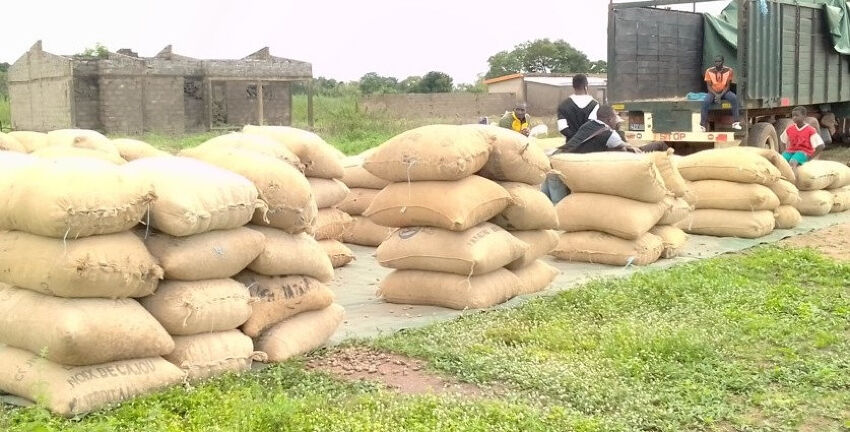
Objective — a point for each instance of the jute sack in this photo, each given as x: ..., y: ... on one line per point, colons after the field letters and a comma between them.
x: 726, y: 195
x: 677, y: 210
x: 427, y: 153
x: 206, y: 355
x: 622, y: 217
x: 842, y: 175
x: 535, y: 277
x: 339, y: 253
x: 786, y: 192
x: 276, y: 298
x: 319, y: 158
x: 111, y: 266
x: 729, y: 223
x: 622, y: 174
x: 453, y: 205
x: 291, y: 206
x: 730, y: 165
x: 11, y: 162
x: 602, y: 248
x: 478, y: 250
x: 358, y: 200
x: 131, y: 149
x: 31, y: 141
x: 300, y: 334
x: 291, y: 254
x: 819, y: 174
x: 672, y: 238
x: 195, y: 197
x: 187, y: 308
x: 210, y: 255
x: 355, y: 176
x: 540, y: 243
x: 59, y: 153
x: 10, y: 143
x: 364, y: 232
x: 513, y: 157
x: 787, y: 217
x: 70, y: 391
x: 79, y: 331
x: 327, y: 192
x: 775, y: 158
x: 419, y: 287
x: 331, y: 223
x: 73, y: 198
x: 81, y: 138
x: 530, y: 209
x: 841, y: 199
x: 254, y: 143
x: 815, y: 203
x: 673, y: 180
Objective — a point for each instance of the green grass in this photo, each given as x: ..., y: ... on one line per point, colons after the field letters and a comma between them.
x: 5, y: 115
x: 840, y: 154
x: 746, y: 342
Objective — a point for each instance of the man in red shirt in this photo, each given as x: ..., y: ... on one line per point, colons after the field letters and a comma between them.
x: 802, y: 141
x: 718, y: 79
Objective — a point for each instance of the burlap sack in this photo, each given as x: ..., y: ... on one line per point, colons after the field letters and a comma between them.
x: 817, y: 175
x: 453, y: 205
x: 10, y: 143
x: 339, y: 253
x: 535, y: 277
x: 72, y: 198
x: 60, y: 153
x: 449, y: 290
x: 195, y: 197
x: 81, y: 138
x: 254, y: 143
x: 31, y: 141
x: 187, y: 308
x: 775, y: 159
x: 815, y: 202
x: 331, y: 223
x: 356, y: 176
x: 319, y: 158
x: 841, y: 199
x: 530, y: 209
x: 726, y: 195
x: 291, y: 254
x: 842, y: 176
x: 358, y: 201
x: 206, y: 355
x: 79, y: 331
x: 131, y: 149
x: 478, y: 250
x: 786, y: 192
x: 787, y: 217
x: 540, y: 244
x: 513, y: 157
x: 672, y: 238
x: 730, y: 165
x: 291, y: 206
x: 673, y: 180
x: 327, y: 192
x: 729, y: 223
x: 362, y: 231
x: 602, y: 248
x: 677, y: 209
x: 621, y: 174
x: 111, y: 266
x: 300, y: 334
x: 276, y: 298
x: 211, y: 255
x: 435, y: 152
x: 11, y: 162
x: 70, y: 391
x: 622, y: 217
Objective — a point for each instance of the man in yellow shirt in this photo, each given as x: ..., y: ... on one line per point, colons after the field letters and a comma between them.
x: 517, y: 120
x: 718, y: 79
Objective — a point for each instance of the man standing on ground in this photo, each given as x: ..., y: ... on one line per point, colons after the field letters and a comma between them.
x: 577, y: 109
x: 517, y: 120
x: 802, y: 141
x: 718, y: 79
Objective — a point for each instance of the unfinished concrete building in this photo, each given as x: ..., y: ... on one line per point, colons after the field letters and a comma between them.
x: 122, y: 93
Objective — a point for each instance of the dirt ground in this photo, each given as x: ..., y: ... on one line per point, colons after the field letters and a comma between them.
x: 833, y: 241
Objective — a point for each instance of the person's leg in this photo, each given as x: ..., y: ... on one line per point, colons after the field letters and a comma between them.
x: 706, y: 105
x: 733, y: 100
x: 555, y: 188
x: 657, y: 146
x: 787, y: 156
x: 797, y: 159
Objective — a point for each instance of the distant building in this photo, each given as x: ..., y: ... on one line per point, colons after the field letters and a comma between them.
x: 543, y: 92
x: 123, y: 93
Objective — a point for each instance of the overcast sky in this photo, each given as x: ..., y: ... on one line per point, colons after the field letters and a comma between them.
x: 343, y: 39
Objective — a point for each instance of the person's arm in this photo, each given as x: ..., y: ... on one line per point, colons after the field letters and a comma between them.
x: 784, y: 137
x: 615, y: 142
x: 817, y: 144
x: 562, y: 120
x: 729, y: 83
x: 592, y: 115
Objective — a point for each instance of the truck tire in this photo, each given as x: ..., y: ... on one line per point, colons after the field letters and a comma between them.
x: 780, y: 125
x: 762, y: 135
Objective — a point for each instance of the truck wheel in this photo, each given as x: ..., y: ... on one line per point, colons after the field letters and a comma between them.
x: 780, y: 126
x: 762, y: 135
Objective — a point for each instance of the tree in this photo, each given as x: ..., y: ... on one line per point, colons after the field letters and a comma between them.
x: 435, y: 82
x: 538, y: 56
x: 410, y: 84
x: 374, y: 83
x: 98, y: 51
x: 598, y: 67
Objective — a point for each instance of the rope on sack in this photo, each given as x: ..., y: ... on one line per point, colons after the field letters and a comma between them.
x: 65, y: 239
x: 629, y: 262
x: 147, y: 221
x: 409, y: 192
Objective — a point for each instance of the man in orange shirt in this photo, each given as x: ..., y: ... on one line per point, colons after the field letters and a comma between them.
x: 718, y: 79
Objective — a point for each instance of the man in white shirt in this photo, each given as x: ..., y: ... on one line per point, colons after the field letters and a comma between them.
x: 577, y: 109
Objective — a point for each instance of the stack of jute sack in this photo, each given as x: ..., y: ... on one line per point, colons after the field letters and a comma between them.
x: 196, y: 230
x: 363, y: 186
x: 64, y: 143
x: 73, y: 334
x: 619, y: 211
x: 445, y: 252
x: 824, y: 187
x: 322, y: 165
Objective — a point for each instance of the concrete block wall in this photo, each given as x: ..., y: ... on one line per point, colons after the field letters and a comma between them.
x: 194, y: 104
x: 40, y: 87
x: 276, y: 109
x: 87, y: 103
x: 241, y: 107
x: 162, y: 105
x: 455, y: 107
x: 121, y: 101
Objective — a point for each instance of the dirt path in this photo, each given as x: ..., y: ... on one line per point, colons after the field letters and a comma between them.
x: 833, y: 241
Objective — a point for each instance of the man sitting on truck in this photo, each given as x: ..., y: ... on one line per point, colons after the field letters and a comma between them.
x: 802, y: 141
x: 577, y: 109
x: 517, y: 120
x: 718, y: 79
